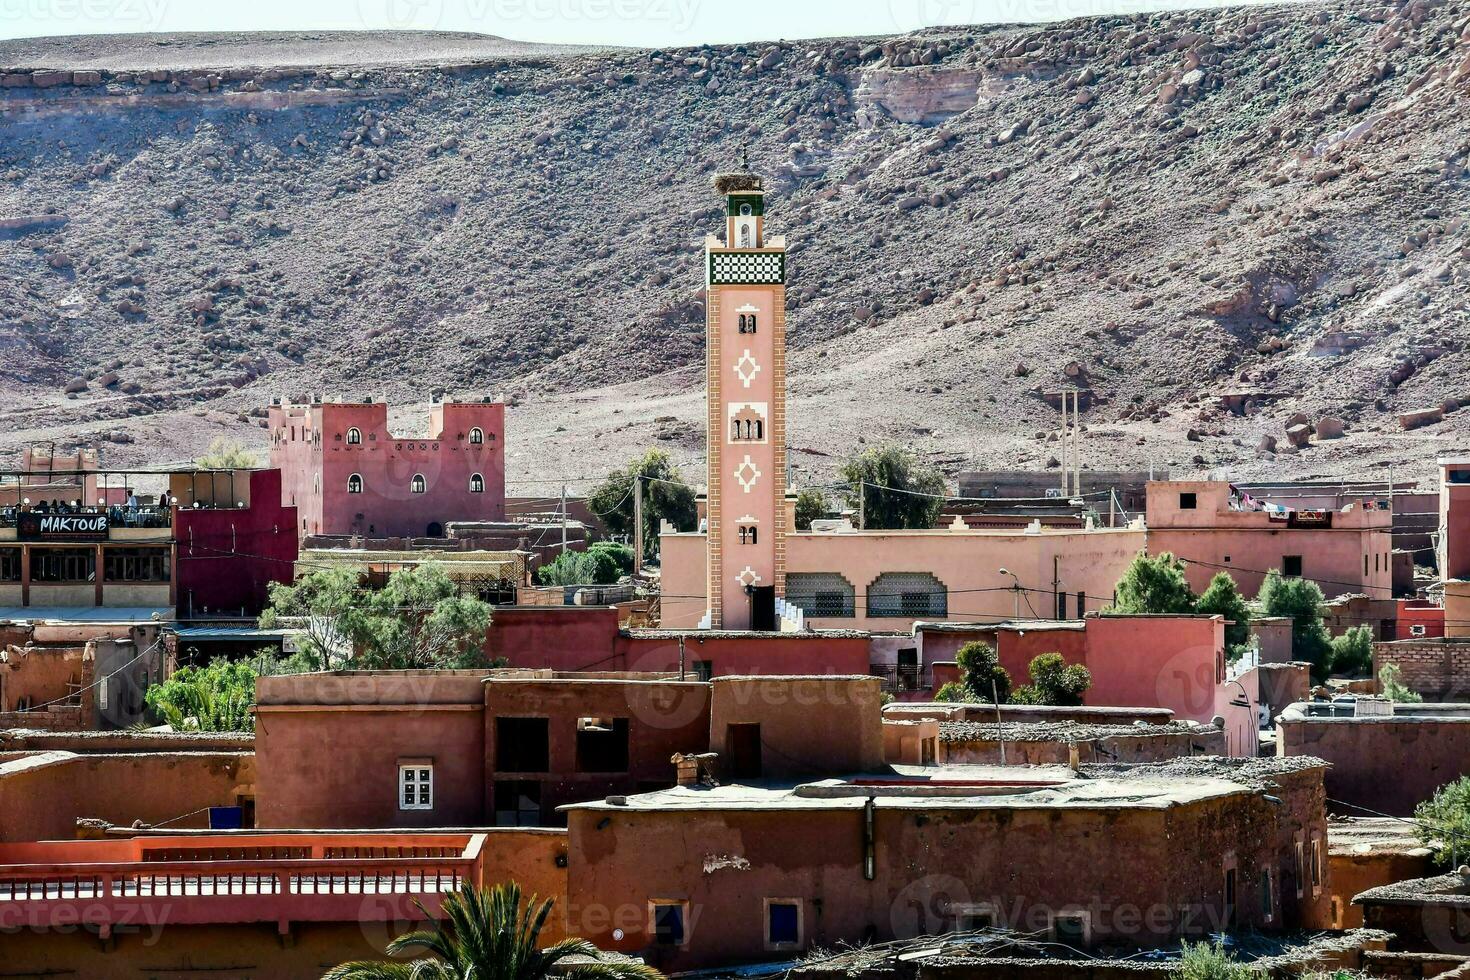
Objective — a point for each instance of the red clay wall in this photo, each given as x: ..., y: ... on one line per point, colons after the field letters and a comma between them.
x: 555, y: 637
x: 1173, y: 662
x: 808, y: 725
x: 44, y: 802
x: 662, y: 719
x: 1386, y: 765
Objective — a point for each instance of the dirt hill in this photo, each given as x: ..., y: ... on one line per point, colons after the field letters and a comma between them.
x: 1160, y: 209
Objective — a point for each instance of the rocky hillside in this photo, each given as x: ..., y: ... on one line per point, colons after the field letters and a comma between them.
x: 1263, y: 202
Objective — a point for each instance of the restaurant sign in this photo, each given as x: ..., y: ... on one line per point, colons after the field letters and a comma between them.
x: 33, y: 526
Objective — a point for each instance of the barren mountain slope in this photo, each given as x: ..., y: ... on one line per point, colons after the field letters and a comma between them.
x: 1177, y: 205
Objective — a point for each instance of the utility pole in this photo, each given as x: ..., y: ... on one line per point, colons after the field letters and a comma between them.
x: 1077, y: 440
x: 1064, y: 446
x: 637, y: 524
x: 862, y: 505
x: 563, y: 518
x: 1056, y: 586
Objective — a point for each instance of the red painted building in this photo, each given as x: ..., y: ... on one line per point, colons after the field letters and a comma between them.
x: 582, y: 638
x: 347, y: 473
x: 227, y: 558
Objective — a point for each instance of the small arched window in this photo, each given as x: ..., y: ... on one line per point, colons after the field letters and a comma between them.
x: 418, y: 484
x: 477, y: 484
x: 735, y: 429
x: 745, y: 236
x: 477, y: 436
x: 747, y: 535
x: 758, y: 434
x: 354, y: 484
x: 354, y: 436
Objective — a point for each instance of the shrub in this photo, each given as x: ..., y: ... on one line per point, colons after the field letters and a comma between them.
x: 1054, y: 682
x: 954, y: 691
x: 215, y: 698
x: 1443, y: 821
x: 1352, y: 652
x: 1222, y: 598
x: 1391, y: 686
x: 981, y: 674
x: 1201, y: 961
x: 892, y: 489
x: 620, y: 553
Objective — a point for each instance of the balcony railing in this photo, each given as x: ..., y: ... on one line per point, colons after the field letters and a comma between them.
x: 250, y: 878
x: 897, y: 679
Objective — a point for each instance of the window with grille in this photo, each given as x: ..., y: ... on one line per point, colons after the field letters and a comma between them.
x: 416, y: 787
x: 826, y: 594
x: 477, y: 436
x: 354, y: 484
x: 477, y: 484
x: 908, y: 595
x: 10, y: 565
x: 354, y: 437
x: 418, y: 484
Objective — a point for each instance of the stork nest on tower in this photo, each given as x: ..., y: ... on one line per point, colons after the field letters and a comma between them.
x: 733, y: 183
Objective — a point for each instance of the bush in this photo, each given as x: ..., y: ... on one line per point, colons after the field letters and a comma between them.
x: 1054, y: 682
x: 892, y: 489
x: 1443, y: 822
x: 1391, y: 686
x: 1154, y: 585
x: 1201, y: 961
x: 584, y: 568
x: 981, y: 674
x: 620, y: 553
x: 954, y: 691
x: 216, y: 698
x: 1352, y: 652
x: 1301, y: 600
x: 811, y: 505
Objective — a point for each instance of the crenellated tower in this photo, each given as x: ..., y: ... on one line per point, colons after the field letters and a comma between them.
x: 745, y: 384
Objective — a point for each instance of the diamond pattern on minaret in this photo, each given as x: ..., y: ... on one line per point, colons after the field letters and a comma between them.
x: 747, y: 473
x: 746, y: 369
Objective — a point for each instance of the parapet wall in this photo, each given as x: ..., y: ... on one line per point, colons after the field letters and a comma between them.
x: 1437, y: 669
x: 1388, y: 765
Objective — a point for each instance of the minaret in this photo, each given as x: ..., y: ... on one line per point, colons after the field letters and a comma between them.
x: 745, y: 384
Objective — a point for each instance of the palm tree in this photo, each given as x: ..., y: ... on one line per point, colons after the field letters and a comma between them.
x: 489, y: 936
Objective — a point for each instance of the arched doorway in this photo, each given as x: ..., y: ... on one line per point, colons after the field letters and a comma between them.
x: 435, y: 530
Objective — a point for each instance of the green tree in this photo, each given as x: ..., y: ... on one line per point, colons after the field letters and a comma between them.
x: 954, y: 691
x: 892, y: 489
x: 417, y: 620
x: 214, y: 698
x: 666, y: 497
x: 1391, y: 685
x: 1202, y: 961
x: 981, y: 674
x: 811, y: 505
x: 1301, y: 600
x: 226, y: 454
x: 1154, y: 584
x: 1352, y: 652
x: 586, y: 568
x: 1443, y: 821
x: 490, y: 935
x: 1222, y: 598
x: 621, y: 554
x: 1053, y: 681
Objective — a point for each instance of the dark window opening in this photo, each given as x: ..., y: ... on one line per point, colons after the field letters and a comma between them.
x: 63, y: 565
x: 1081, y: 604
x: 743, y: 746
x: 522, y: 745
x: 135, y: 565
x: 1291, y: 566
x: 1229, y: 897
x: 10, y: 565
x: 668, y: 925
x: 602, y: 745
x: 704, y: 670
x: 1069, y: 930
x: 1188, y: 501
x: 974, y: 920
x: 783, y: 924
x: 517, y: 803
x: 1061, y: 605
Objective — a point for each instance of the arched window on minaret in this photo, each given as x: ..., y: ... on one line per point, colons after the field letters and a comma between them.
x: 758, y: 433
x: 735, y: 430
x: 745, y: 236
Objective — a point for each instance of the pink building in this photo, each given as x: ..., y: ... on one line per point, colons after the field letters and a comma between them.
x: 346, y: 473
x: 1345, y: 547
x: 1454, y: 517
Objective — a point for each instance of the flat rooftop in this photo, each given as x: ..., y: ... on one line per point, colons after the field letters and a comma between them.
x: 1114, y: 787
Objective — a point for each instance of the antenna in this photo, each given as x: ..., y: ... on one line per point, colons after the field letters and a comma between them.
x: 744, y: 156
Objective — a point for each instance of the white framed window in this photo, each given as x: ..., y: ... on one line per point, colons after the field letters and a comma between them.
x: 354, y: 484
x: 416, y: 786
x: 477, y: 483
x: 418, y: 484
x: 354, y: 436
x: 477, y: 436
